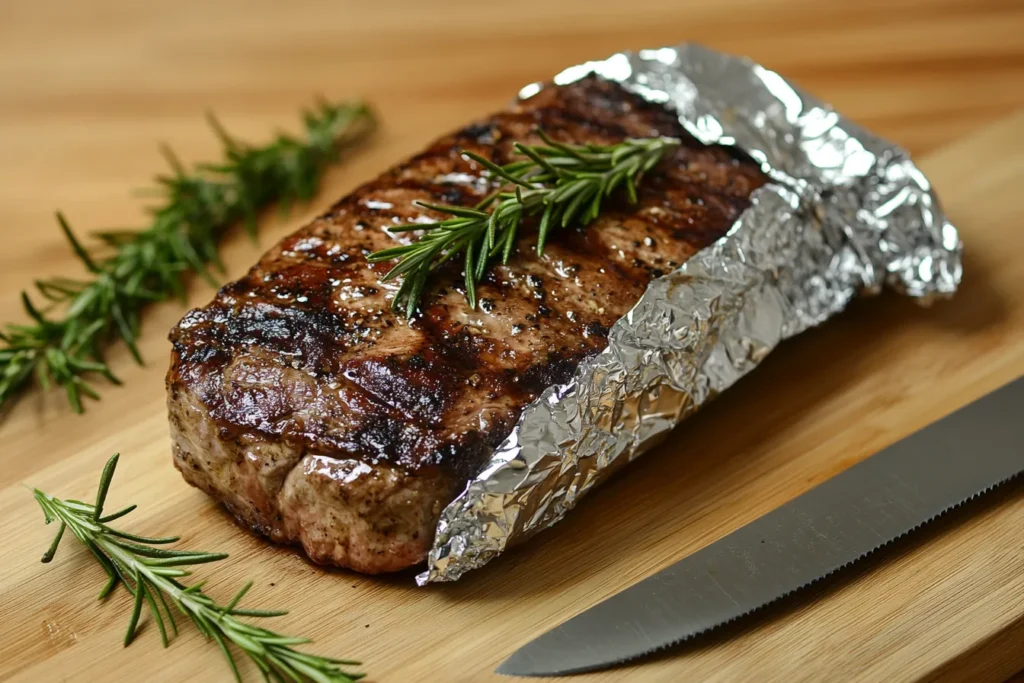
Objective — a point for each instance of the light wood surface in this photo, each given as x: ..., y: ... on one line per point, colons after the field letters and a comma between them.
x: 86, y: 91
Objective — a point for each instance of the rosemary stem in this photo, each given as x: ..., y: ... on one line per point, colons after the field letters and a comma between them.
x: 63, y: 343
x: 151, y: 573
x: 565, y: 184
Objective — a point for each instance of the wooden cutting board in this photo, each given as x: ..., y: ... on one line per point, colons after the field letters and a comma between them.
x: 87, y: 88
x: 947, y: 605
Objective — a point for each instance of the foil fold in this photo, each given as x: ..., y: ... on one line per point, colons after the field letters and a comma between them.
x: 845, y: 213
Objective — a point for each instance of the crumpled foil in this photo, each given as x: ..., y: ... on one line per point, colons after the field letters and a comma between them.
x: 846, y: 213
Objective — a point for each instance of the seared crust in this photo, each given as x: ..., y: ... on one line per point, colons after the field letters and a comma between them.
x: 319, y: 417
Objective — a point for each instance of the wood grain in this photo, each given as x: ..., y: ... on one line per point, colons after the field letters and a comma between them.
x: 87, y: 89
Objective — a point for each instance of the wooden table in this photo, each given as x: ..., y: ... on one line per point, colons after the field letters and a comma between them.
x: 87, y: 89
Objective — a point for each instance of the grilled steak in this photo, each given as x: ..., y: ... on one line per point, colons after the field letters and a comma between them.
x: 320, y: 417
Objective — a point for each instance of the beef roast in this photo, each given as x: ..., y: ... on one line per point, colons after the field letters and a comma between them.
x: 318, y: 416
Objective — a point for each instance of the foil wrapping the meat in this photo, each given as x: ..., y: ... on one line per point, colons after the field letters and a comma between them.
x: 846, y: 213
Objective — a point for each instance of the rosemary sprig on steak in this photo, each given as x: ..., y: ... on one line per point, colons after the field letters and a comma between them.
x: 139, y: 266
x: 560, y: 183
x: 152, y: 574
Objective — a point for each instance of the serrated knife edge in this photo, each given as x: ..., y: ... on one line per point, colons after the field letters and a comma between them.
x: 525, y: 661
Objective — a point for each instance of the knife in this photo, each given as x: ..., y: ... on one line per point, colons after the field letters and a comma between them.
x: 840, y: 521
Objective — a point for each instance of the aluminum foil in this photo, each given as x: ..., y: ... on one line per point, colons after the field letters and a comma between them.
x: 846, y: 213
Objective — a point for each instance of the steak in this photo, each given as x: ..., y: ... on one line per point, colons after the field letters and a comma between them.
x: 320, y: 417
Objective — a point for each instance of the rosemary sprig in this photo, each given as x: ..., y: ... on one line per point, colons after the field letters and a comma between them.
x: 152, y: 575
x: 562, y: 183
x: 140, y: 266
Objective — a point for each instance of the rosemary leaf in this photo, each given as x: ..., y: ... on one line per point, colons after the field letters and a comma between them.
x: 564, y: 184
x: 145, y: 574
x: 193, y: 210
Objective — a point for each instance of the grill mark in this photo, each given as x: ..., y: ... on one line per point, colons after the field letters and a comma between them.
x: 468, y: 195
x: 558, y: 369
x: 480, y: 133
x: 558, y: 123
x: 389, y: 380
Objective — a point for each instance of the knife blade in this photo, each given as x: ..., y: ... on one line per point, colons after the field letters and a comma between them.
x: 840, y: 521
